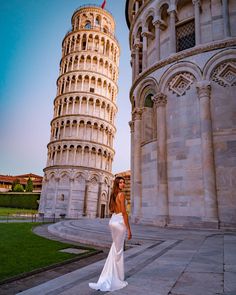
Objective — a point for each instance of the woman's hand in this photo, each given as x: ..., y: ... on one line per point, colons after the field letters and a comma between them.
x: 129, y: 235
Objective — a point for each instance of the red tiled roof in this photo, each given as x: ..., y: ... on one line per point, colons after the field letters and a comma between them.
x: 23, y: 178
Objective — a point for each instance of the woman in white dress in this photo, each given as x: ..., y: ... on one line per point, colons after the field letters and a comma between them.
x: 112, y: 275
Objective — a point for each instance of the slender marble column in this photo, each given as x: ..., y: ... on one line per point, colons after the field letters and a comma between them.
x: 160, y: 102
x: 85, y: 198
x: 137, y: 178
x: 70, y: 197
x: 196, y: 4
x: 225, y: 12
x: 99, y: 199
x: 136, y: 7
x: 157, y: 25
x: 209, y: 180
x: 136, y: 48
x: 133, y: 64
x: 54, y: 205
x: 108, y: 200
x: 131, y: 124
x: 144, y: 57
x: 172, y: 14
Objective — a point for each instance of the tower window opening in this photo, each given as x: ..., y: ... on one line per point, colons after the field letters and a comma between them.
x: 91, y: 90
x: 185, y: 36
x: 87, y: 25
x: 97, y: 22
x: 84, y: 45
x: 59, y: 110
x: 148, y: 103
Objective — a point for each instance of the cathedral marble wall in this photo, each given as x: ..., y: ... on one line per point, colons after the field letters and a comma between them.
x: 183, y: 160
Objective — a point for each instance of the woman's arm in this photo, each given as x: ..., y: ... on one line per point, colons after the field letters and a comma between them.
x: 121, y: 198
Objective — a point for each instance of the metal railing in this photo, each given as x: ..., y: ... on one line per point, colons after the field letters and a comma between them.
x: 30, y: 217
x: 89, y: 5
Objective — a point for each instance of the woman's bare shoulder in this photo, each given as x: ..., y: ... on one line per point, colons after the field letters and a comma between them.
x: 121, y: 195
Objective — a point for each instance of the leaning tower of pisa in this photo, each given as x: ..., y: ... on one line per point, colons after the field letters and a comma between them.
x: 78, y: 174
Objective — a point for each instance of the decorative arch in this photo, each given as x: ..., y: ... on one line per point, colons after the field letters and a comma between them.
x: 217, y: 59
x: 180, y: 68
x: 148, y: 86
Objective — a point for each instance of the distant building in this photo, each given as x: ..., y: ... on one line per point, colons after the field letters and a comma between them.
x: 7, y: 180
x: 183, y: 127
x: 78, y: 175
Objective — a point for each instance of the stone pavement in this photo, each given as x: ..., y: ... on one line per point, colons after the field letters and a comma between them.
x: 160, y: 262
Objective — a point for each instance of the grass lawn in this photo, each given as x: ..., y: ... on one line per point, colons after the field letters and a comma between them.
x: 23, y: 251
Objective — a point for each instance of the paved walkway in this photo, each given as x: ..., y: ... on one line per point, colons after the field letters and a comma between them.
x: 160, y: 261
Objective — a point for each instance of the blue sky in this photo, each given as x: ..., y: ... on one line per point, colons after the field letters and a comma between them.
x: 31, y: 33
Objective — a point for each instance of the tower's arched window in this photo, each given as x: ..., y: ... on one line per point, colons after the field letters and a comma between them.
x: 185, y: 35
x: 87, y: 25
x: 97, y: 21
x: 148, y: 103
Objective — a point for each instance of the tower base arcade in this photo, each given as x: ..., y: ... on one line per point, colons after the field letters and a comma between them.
x: 75, y: 192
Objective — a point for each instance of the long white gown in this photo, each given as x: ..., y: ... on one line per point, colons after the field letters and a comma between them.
x: 112, y: 275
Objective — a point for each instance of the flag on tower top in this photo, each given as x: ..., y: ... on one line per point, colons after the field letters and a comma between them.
x: 103, y: 4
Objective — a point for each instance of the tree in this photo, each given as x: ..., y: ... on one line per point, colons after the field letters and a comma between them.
x: 18, y: 188
x: 14, y: 183
x: 29, y: 186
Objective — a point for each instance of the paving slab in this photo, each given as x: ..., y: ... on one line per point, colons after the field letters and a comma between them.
x: 160, y: 261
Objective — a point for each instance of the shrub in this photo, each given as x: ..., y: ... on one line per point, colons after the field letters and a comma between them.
x: 18, y: 188
x: 29, y: 186
x: 20, y: 200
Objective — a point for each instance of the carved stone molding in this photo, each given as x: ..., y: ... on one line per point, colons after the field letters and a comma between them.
x: 225, y: 74
x: 181, y: 83
x: 131, y: 125
x: 137, y: 114
x: 203, y: 89
x: 196, y: 2
x: 160, y: 100
x: 148, y: 35
x: 159, y: 23
x: 181, y: 55
x: 137, y: 46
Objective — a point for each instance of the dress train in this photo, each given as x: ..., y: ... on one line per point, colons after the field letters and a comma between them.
x: 112, y: 275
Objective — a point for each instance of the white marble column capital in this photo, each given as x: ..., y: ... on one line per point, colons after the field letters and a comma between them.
x: 172, y: 11
x: 203, y: 89
x: 160, y: 100
x: 137, y: 114
x: 136, y: 47
x: 159, y: 23
x: 196, y: 2
x: 131, y: 125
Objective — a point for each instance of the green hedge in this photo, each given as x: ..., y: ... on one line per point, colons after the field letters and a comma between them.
x: 20, y: 200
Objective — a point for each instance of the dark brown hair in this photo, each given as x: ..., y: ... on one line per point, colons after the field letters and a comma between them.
x: 114, y: 193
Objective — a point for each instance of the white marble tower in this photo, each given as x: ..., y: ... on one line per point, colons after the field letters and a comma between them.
x: 78, y: 174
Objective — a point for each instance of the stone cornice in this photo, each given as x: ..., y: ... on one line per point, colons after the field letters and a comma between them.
x: 89, y: 72
x: 91, y: 53
x: 83, y: 117
x: 82, y: 31
x: 82, y: 142
x: 181, y: 55
x: 92, y: 8
x: 86, y: 94
x: 71, y: 167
